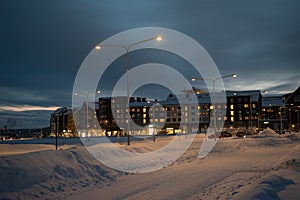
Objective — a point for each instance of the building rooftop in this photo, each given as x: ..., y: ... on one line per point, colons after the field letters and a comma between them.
x: 272, y: 101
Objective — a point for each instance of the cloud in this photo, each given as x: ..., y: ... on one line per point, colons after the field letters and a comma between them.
x: 22, y: 108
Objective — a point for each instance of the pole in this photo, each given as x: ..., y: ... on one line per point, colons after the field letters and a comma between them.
x: 214, y: 105
x: 127, y: 48
x: 56, y: 134
x: 280, y: 108
x: 298, y: 118
x: 290, y: 118
x: 128, y: 98
x: 250, y: 101
x: 87, y: 115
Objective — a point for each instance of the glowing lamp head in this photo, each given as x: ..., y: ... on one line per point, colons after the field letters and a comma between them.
x: 234, y: 75
x: 98, y: 47
x: 158, y: 38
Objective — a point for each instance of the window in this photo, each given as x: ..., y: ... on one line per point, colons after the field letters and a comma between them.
x: 231, y: 113
x: 133, y: 110
x: 161, y: 120
x: 246, y: 105
x: 232, y: 119
x: 144, y: 110
x: 144, y: 121
x: 231, y: 106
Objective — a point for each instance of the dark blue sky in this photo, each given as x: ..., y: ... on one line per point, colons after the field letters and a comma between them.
x: 43, y: 44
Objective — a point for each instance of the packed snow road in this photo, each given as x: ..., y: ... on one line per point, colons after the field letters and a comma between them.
x: 248, y: 168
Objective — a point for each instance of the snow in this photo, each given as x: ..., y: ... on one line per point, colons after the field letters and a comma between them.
x: 268, y: 132
x: 266, y: 167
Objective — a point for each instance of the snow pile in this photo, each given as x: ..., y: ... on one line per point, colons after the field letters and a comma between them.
x: 47, y: 174
x: 292, y: 135
x: 266, y: 189
x: 268, y: 133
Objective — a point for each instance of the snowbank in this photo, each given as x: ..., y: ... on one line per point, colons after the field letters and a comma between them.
x: 268, y: 133
x: 51, y: 174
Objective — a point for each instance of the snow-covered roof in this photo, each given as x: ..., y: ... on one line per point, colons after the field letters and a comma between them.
x: 68, y: 112
x: 254, y: 94
x: 272, y: 101
x: 59, y: 110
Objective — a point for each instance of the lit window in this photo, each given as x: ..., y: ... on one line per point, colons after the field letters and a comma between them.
x: 231, y: 113
x: 144, y: 115
x: 144, y: 121
x: 232, y: 119
x: 161, y: 120
x: 246, y: 105
x: 144, y: 110
x: 133, y: 110
x: 231, y: 106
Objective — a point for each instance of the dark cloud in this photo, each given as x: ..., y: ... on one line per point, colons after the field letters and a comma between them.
x: 44, y: 42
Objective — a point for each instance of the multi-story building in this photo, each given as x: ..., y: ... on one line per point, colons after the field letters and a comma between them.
x: 113, y: 114
x: 292, y: 107
x: 243, y: 108
x: 179, y: 114
x: 62, y: 122
x: 273, y: 114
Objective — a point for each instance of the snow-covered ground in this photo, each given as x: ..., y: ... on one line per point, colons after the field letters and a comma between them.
x: 265, y: 167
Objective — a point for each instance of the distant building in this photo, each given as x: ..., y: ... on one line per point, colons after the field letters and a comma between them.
x: 292, y: 106
x: 62, y: 122
x: 178, y: 114
x: 273, y: 113
x: 243, y: 108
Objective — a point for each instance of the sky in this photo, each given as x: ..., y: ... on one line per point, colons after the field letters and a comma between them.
x: 43, y: 44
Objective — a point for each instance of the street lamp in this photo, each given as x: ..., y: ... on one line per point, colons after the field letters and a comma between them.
x: 214, y: 93
x: 127, y: 49
x: 87, y: 106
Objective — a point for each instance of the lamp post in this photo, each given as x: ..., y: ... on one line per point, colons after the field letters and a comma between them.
x: 87, y: 106
x: 127, y: 49
x: 56, y: 132
x: 214, y: 93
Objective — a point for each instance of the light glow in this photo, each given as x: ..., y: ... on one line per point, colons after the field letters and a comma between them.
x: 23, y: 108
x: 158, y: 38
